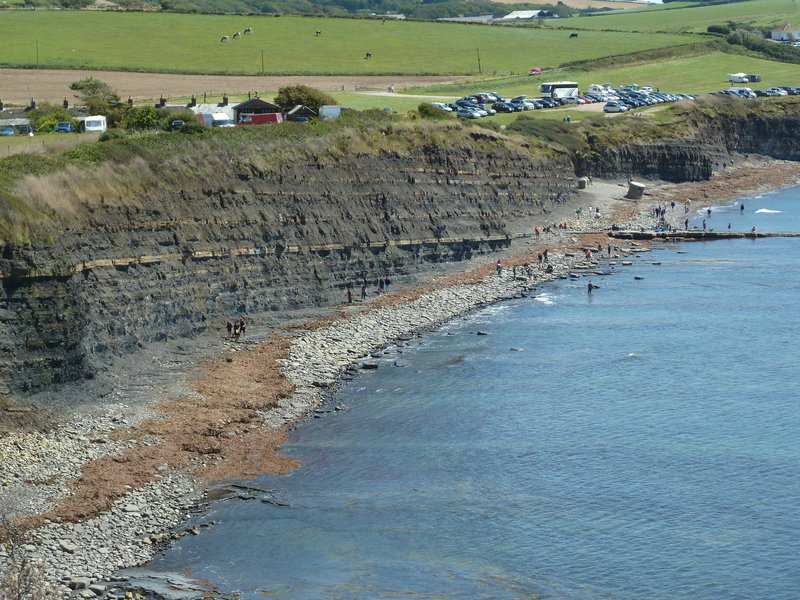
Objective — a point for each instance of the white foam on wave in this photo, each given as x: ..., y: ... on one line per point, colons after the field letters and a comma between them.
x: 768, y: 211
x: 544, y: 299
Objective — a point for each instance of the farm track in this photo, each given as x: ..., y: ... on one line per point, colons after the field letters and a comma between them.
x: 50, y: 85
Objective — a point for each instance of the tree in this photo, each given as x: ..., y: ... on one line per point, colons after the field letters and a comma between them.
x: 142, y: 117
x: 97, y: 95
x: 47, y: 116
x: 290, y: 96
x: 427, y: 110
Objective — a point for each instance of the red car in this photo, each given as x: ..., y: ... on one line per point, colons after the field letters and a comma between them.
x: 535, y: 71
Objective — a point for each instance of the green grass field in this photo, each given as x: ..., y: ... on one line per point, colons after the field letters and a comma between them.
x: 182, y: 43
x: 692, y: 75
x: 677, y: 17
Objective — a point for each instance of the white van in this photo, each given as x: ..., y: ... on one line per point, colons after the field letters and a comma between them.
x: 744, y: 92
x: 738, y: 78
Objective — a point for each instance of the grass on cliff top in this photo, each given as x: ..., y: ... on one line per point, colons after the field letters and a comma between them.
x: 38, y: 194
x: 38, y: 190
x: 692, y: 16
x: 181, y: 43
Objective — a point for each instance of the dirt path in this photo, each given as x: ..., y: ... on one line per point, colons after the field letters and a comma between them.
x: 18, y: 86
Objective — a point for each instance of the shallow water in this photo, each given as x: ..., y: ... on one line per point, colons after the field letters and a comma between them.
x: 640, y: 442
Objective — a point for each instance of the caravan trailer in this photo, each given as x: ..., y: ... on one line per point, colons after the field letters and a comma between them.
x: 93, y: 124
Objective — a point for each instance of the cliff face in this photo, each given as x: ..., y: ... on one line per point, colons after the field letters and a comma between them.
x: 178, y: 261
x: 251, y: 242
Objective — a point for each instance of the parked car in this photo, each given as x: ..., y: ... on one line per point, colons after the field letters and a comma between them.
x: 504, y: 107
x: 7, y: 130
x: 24, y: 130
x: 441, y: 106
x: 615, y: 107
x: 535, y: 71
x: 468, y: 113
x: 65, y: 127
x: 574, y: 100
x: 177, y: 124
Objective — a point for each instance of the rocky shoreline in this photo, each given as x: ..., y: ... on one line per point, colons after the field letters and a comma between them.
x: 79, y: 559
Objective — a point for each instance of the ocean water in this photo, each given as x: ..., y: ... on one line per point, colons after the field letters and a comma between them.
x: 637, y: 443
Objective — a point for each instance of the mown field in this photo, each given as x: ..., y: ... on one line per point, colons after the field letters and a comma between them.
x: 691, y: 75
x: 678, y: 17
x: 180, y: 43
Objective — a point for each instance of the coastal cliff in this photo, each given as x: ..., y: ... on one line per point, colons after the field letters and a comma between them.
x: 221, y: 231
x: 182, y: 259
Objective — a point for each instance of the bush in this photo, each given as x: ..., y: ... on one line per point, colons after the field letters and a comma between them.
x: 427, y: 110
x: 47, y: 116
x: 111, y: 134
x: 193, y: 128
x: 290, y: 96
x: 142, y: 117
x: 718, y: 29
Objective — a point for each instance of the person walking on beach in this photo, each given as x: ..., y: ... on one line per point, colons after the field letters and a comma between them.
x: 708, y: 212
x: 499, y: 267
x: 229, y: 327
x: 363, y: 292
x: 241, y: 325
x: 729, y: 226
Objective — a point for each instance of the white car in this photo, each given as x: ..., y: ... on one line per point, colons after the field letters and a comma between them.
x: 777, y: 90
x: 615, y: 107
x: 441, y: 106
x: 574, y: 100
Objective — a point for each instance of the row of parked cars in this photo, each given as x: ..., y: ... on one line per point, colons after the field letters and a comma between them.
x: 489, y: 103
x: 624, y: 100
x: 745, y: 92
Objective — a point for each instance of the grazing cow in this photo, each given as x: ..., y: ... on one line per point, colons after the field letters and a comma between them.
x: 224, y: 38
x: 573, y: 35
x: 368, y: 55
x: 248, y: 30
x: 237, y: 34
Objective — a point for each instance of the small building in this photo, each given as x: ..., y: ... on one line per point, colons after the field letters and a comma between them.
x: 200, y: 109
x: 786, y: 33
x: 301, y: 111
x: 474, y: 19
x: 254, y: 106
x: 528, y: 14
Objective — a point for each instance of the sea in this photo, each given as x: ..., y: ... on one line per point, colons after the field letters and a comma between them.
x: 639, y: 442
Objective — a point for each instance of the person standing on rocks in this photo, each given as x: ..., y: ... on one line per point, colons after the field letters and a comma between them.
x: 381, y: 286
x: 229, y: 327
x: 686, y: 224
x: 499, y: 267
x: 544, y: 255
x: 349, y: 296
x: 363, y: 292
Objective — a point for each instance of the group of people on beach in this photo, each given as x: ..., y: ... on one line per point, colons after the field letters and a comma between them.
x: 382, y: 288
x: 235, y: 329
